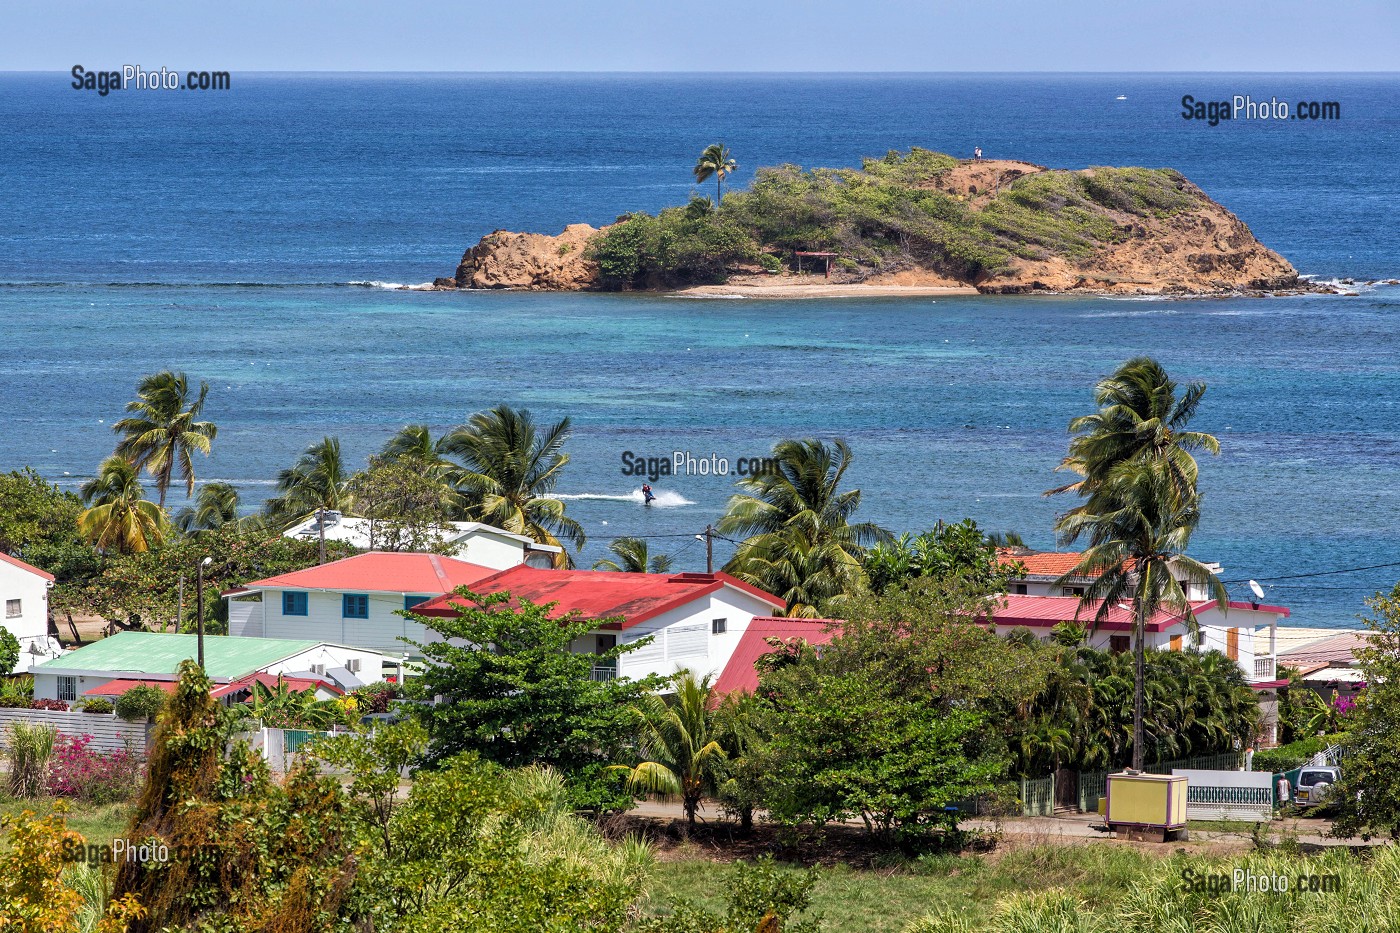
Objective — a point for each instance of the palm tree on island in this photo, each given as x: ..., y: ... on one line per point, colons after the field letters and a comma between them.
x: 801, y: 545
x: 715, y: 163
x: 316, y: 484
x: 163, y: 431
x: 633, y: 556
x: 119, y: 517
x: 1141, y: 504
x: 215, y: 505
x: 510, y: 469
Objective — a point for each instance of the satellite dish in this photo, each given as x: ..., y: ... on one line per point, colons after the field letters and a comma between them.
x: 1256, y: 589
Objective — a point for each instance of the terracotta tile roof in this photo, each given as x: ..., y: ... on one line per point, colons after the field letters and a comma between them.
x: 380, y: 572
x: 599, y: 594
x: 739, y: 674
x: 1052, y: 564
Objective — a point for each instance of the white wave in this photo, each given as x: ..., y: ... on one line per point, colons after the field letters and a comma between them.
x: 665, y: 499
x: 396, y: 286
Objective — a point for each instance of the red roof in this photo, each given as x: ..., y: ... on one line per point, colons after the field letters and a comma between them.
x: 1046, y: 611
x: 1054, y: 564
x: 294, y: 684
x: 381, y: 572
x: 115, y: 688
x: 601, y: 594
x: 15, y: 561
x: 739, y: 674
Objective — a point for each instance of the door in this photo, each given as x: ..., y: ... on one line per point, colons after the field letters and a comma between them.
x: 1232, y: 644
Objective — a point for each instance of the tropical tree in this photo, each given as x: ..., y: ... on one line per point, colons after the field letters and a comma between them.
x: 163, y: 429
x: 118, y: 516
x: 678, y: 745
x: 800, y: 545
x: 510, y: 468
x: 414, y: 443
x: 215, y: 505
x: 715, y: 163
x: 634, y: 557
x: 315, y: 484
x: 1138, y: 480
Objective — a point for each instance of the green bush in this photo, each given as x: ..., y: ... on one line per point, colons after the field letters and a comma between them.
x: 98, y: 705
x: 1290, y: 756
x: 770, y: 263
x: 141, y: 703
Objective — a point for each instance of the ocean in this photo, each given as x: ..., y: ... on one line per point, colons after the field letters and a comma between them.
x: 249, y: 237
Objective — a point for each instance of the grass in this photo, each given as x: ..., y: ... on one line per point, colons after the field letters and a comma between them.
x: 99, y: 825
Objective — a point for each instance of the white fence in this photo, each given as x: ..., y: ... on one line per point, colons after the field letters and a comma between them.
x: 1228, y: 795
x: 280, y: 747
x: 108, y: 732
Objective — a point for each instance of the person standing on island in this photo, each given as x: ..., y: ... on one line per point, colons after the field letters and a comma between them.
x: 977, y: 154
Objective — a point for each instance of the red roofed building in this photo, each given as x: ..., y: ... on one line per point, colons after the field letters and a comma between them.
x: 695, y: 620
x: 355, y: 601
x: 24, y: 595
x: 758, y: 640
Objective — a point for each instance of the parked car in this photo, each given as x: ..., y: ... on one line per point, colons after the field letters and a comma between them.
x: 1313, y: 785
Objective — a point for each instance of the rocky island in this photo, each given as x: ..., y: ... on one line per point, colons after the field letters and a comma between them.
x: 920, y: 220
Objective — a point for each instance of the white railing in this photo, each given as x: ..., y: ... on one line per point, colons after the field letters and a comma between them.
x: 603, y: 672
x: 1264, y: 668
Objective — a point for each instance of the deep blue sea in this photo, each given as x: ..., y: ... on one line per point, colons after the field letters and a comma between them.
x: 219, y: 233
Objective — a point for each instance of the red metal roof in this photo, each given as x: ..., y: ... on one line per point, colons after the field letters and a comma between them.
x: 739, y: 674
x: 294, y: 684
x: 381, y: 572
x: 601, y: 594
x: 16, y: 562
x: 1046, y: 611
x: 115, y: 688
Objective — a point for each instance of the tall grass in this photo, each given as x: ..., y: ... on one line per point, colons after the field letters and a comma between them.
x: 29, y: 752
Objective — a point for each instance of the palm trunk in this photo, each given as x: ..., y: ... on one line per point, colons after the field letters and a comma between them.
x: 719, y: 192
x: 1139, y: 682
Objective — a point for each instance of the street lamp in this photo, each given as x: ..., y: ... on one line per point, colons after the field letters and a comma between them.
x: 199, y: 608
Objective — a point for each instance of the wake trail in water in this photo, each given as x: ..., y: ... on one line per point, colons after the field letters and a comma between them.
x: 664, y: 499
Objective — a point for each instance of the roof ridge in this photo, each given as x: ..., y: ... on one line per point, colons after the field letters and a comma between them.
x: 441, y: 573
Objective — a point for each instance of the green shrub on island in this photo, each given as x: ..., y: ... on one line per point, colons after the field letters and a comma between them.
x: 888, y: 214
x: 98, y: 706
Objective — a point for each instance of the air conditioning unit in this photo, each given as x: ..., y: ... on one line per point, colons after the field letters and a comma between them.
x: 318, y: 668
x: 353, y: 665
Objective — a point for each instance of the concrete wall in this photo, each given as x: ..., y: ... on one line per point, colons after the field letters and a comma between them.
x: 684, y: 639
x: 324, y: 621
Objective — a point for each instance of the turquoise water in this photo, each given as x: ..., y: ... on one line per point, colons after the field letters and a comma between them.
x: 127, y: 222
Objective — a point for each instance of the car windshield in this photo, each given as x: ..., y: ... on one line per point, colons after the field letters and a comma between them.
x: 1309, y: 778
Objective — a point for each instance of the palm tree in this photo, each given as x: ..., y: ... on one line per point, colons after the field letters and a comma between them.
x: 119, y: 517
x: 1137, y: 553
x: 679, y: 750
x: 634, y: 558
x: 315, y: 484
x: 715, y: 163
x: 800, y: 544
x: 163, y: 431
x: 414, y: 442
x: 215, y: 505
x: 509, y: 471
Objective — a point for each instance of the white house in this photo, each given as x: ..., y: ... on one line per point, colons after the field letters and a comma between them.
x: 696, y: 620
x: 473, y: 542
x: 354, y: 601
x: 113, y: 665
x: 24, y: 590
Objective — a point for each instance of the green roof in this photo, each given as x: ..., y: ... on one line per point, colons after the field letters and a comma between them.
x: 226, y: 657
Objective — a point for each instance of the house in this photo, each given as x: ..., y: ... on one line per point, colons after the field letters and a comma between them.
x: 1042, y: 573
x: 354, y: 601
x: 24, y: 590
x: 763, y: 637
x: 473, y: 542
x: 113, y: 665
x: 695, y: 620
x: 1328, y: 665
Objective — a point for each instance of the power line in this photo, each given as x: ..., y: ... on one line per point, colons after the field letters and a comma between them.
x: 1317, y: 573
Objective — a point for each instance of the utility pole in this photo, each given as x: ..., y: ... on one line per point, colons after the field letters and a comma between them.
x: 710, y: 549
x: 180, y: 609
x: 199, y: 611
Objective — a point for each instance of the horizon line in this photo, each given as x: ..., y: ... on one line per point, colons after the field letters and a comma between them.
x: 882, y: 73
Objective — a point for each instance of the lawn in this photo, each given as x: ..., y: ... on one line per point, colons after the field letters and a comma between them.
x: 97, y: 824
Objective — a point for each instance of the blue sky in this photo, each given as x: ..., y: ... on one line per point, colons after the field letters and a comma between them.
x: 663, y: 35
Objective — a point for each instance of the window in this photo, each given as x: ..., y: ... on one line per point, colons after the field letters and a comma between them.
x: 13, y: 609
x: 1071, y: 591
x: 604, y: 643
x: 410, y: 601
x: 1118, y: 644
x: 68, y: 689
x: 1018, y: 589
x: 718, y: 626
x: 354, y: 606
x: 293, y: 604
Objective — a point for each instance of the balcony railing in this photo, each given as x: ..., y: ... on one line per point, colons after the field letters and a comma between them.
x: 1263, y: 668
x: 603, y: 672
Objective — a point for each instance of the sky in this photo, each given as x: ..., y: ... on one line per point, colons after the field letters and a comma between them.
x: 663, y: 35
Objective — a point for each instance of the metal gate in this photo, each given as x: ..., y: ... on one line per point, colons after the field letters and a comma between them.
x: 1066, y: 789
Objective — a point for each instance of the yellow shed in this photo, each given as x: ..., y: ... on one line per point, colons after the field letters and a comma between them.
x: 1146, y: 804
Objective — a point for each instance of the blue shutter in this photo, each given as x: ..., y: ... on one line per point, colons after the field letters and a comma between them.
x: 354, y: 606
x: 410, y: 601
x: 294, y: 604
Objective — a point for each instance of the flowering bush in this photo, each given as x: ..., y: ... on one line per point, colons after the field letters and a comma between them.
x: 376, y: 697
x: 78, y: 770
x: 49, y: 704
x: 1343, y: 705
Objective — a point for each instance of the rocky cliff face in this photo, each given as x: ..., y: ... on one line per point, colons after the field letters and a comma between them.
x: 530, y: 261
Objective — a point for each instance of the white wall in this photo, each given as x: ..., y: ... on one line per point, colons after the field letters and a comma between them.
x: 490, y: 550
x: 31, y: 626
x: 683, y: 636
x: 324, y: 621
